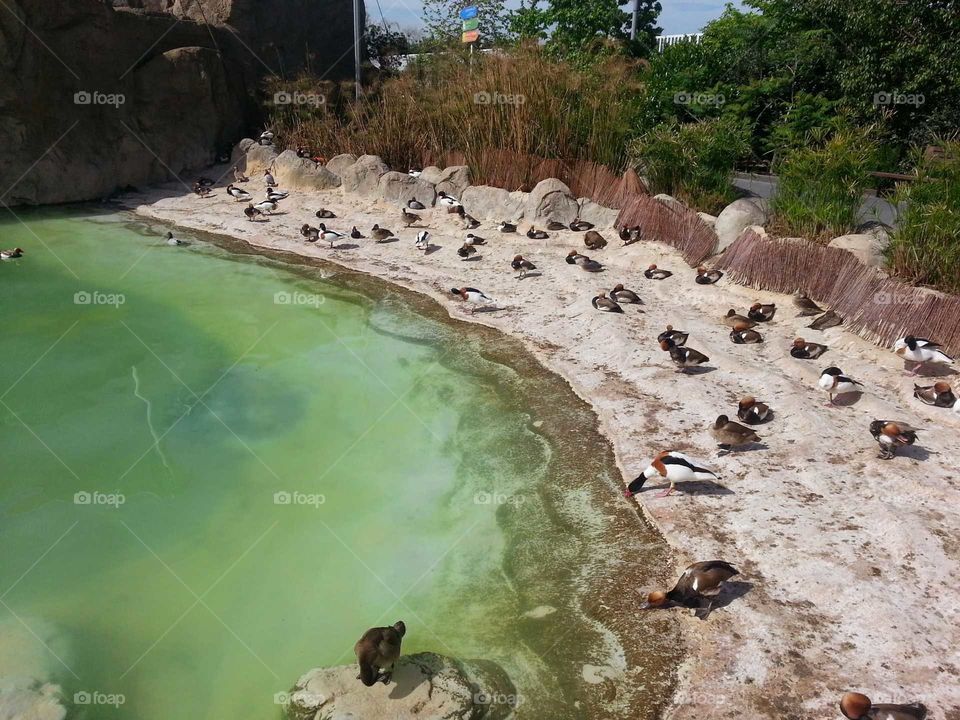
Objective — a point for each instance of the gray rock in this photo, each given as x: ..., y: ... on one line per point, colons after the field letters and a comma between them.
x: 710, y: 220
x: 602, y: 217
x: 868, y: 248
x: 737, y: 216
x: 423, y: 686
x: 400, y: 188
x: 432, y: 174
x: 454, y: 180
x: 26, y: 700
x: 338, y: 163
x: 551, y: 200
x: 257, y: 159
x: 240, y: 150
x: 293, y: 172
x: 363, y: 177
x: 486, y: 202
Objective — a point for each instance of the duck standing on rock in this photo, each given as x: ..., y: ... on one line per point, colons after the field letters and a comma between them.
x: 804, y: 350
x: 268, y: 178
x: 743, y: 335
x: 423, y: 241
x: 707, y: 277
x: 856, y: 706
x: 678, y: 337
x: 604, y: 304
x: 535, y: 234
x: 472, y: 297
x: 921, y: 351
x: 310, y: 234
x: 237, y: 193
x: 730, y: 434
x: 674, y: 467
x: 833, y: 381
x: 330, y: 236
x: 622, y: 295
x: 251, y: 212
x: 892, y: 434
x: 267, y: 206
x: 276, y: 195
x: 696, y: 589
x: 762, y: 313
x: 239, y: 176
x: 683, y: 357
x: 939, y: 394
x: 522, y: 266
x: 408, y: 217
x: 594, y: 240
x: 654, y: 273
x: 377, y: 652
x: 752, y: 412
x: 448, y: 201
x: 380, y: 234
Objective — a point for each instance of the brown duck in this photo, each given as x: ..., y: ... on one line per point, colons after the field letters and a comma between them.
x: 594, y: 240
x: 752, y: 412
x: 743, y: 335
x: 729, y: 434
x: 732, y: 319
x: 939, y: 394
x: 697, y: 587
x: 807, y: 350
x: 856, y: 706
x: 762, y: 313
x: 805, y: 305
x: 707, y: 277
x: 653, y: 273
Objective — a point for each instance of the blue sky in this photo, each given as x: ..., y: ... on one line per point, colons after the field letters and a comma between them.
x: 678, y: 16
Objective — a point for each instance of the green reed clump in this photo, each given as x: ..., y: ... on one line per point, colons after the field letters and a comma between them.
x: 820, y: 186
x: 694, y: 162
x: 925, y: 247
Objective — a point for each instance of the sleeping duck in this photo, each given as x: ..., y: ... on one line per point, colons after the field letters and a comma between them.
x: 707, y: 277
x: 939, y: 394
x: 653, y: 273
x: 762, y: 313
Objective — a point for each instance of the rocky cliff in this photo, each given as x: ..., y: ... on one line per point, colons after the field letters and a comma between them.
x: 104, y: 95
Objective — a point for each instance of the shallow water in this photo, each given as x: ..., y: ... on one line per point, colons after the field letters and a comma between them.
x: 219, y: 468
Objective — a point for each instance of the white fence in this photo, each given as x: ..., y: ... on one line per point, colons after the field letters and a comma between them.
x: 664, y: 41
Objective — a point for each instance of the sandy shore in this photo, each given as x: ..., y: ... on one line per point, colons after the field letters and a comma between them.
x: 848, y: 561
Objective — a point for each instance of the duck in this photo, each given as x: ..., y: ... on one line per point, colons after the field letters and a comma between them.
x: 742, y: 335
x: 11, y: 254
x: 921, y: 351
x: 806, y: 306
x: 204, y: 181
x: 473, y: 297
x: 380, y: 234
x: 522, y: 266
x: 414, y: 173
x: 594, y: 240
x: 415, y: 204
x: 172, y: 241
x: 730, y: 434
x: 621, y: 294
x: 631, y: 235
x: 678, y: 337
x: 833, y: 381
x: 535, y: 234
x: 653, y: 273
x: 732, y: 319
x: 311, y: 234
x: 267, y: 206
x: 469, y: 222
x: 423, y: 241
x: 466, y: 251
x: 276, y: 195
x: 266, y: 138
x: 330, y: 236
x: 555, y: 226
x: 506, y: 227
x: 762, y: 313
x: 696, y: 589
x: 237, y: 193
x: 472, y: 239
x: 804, y: 350
x: 856, y: 706
x: 408, y: 218
x: 585, y: 263
x: 674, y: 467
x: 324, y: 214
x: 302, y: 152
x: 604, y: 304
x: 891, y: 434
x: 355, y: 234
x: 828, y: 320
x: 201, y: 190
x: 752, y: 412
x: 268, y: 179
x: 239, y: 176
x: 251, y: 212
x: 707, y: 277
x: 579, y: 225
x: 939, y: 394
x: 447, y: 201
x: 683, y: 357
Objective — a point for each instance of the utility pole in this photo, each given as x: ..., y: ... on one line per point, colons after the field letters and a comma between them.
x: 356, y: 45
x: 633, y: 24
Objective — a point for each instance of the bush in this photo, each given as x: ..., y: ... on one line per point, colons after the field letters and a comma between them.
x: 693, y: 162
x: 820, y: 186
x: 925, y: 247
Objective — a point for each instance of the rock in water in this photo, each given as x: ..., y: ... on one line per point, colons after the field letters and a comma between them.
x: 424, y: 685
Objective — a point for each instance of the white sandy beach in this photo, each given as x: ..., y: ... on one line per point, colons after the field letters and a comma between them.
x: 852, y: 559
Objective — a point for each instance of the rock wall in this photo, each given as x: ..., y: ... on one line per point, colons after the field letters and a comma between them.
x: 97, y: 98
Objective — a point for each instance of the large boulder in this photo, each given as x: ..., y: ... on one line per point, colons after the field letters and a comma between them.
x: 602, y: 217
x: 256, y: 159
x: 868, y: 248
x: 432, y: 174
x: 737, y: 216
x: 338, y: 163
x: 550, y: 200
x: 400, y: 188
x: 363, y: 177
x: 294, y: 172
x: 424, y: 686
x: 492, y: 203
x: 454, y: 180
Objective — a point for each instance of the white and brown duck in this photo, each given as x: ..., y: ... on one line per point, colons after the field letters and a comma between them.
x: 707, y: 277
x: 696, y: 589
x: 940, y: 394
x: 683, y: 357
x: 804, y: 350
x: 655, y: 273
x: 753, y: 412
x: 761, y: 312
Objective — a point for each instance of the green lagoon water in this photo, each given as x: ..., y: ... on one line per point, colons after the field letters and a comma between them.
x: 218, y: 468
